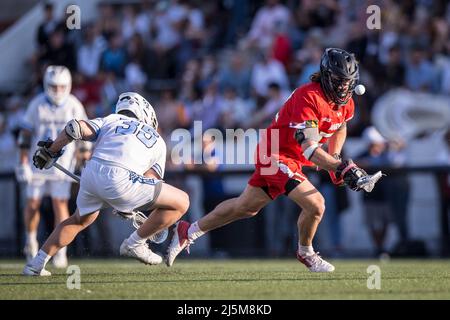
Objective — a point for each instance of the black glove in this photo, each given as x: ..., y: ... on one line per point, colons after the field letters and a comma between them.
x: 43, y: 158
x: 350, y: 173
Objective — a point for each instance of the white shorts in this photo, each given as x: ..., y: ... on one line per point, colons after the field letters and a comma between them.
x: 58, y: 189
x: 104, y: 185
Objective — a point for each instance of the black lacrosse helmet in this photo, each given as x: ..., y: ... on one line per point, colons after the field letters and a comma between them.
x: 339, y: 75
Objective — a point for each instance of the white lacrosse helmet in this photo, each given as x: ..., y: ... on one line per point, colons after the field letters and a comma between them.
x: 57, y: 83
x: 139, y: 106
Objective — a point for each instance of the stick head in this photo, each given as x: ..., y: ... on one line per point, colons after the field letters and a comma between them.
x: 368, y: 182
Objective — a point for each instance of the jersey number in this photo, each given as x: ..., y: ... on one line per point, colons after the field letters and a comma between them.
x: 147, y: 135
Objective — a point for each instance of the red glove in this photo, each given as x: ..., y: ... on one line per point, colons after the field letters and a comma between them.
x: 336, y: 181
x: 339, y: 182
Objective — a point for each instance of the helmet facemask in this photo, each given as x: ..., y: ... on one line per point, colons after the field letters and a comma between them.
x: 339, y: 89
x: 339, y: 75
x: 57, y: 84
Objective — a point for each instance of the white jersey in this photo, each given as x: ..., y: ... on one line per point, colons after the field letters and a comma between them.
x: 128, y: 143
x: 46, y: 120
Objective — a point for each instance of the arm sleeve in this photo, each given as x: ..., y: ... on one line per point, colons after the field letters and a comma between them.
x: 28, y: 121
x: 96, y: 124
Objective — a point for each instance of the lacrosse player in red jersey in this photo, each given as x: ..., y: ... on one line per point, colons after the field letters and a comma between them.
x: 314, y: 114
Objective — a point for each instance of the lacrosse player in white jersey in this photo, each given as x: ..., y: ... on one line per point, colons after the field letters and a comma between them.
x: 125, y: 172
x: 46, y: 116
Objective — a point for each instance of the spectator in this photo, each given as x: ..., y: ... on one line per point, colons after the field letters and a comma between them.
x: 267, y: 70
x: 268, y: 18
x: 90, y: 52
x: 235, y: 110
x: 108, y: 23
x: 265, y: 116
x: 59, y: 52
x: 391, y: 75
x: 129, y: 22
x: 145, y: 18
x: 15, y: 111
x: 377, y: 211
x: 47, y: 27
x: 208, y: 111
x: 236, y: 74
x: 311, y: 66
x: 420, y: 74
x: 114, y: 58
x: 398, y: 188
x: 171, y: 114
x: 8, y: 150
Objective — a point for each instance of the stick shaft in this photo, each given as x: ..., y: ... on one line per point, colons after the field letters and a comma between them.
x: 70, y: 174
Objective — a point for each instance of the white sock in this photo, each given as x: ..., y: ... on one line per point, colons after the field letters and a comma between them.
x: 62, y: 251
x: 40, y: 260
x: 194, y: 231
x: 31, y: 237
x: 305, y: 250
x: 135, y: 240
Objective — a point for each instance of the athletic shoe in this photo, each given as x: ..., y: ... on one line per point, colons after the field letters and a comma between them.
x: 29, y: 270
x: 140, y: 252
x: 315, y: 263
x: 179, y: 242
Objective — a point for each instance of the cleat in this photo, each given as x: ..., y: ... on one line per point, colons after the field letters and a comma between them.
x: 141, y: 252
x: 315, y: 263
x: 179, y: 242
x: 29, y: 270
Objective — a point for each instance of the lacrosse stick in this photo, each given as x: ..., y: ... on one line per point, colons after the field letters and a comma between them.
x: 368, y: 182
x: 70, y: 174
x: 137, y: 217
x: 138, y: 220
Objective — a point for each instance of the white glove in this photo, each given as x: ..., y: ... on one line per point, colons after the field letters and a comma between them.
x: 24, y: 173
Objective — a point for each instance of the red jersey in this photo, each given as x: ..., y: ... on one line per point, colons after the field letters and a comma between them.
x: 307, y: 106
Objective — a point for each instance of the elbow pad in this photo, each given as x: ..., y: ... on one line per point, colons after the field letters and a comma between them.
x: 308, y: 152
x: 73, y: 130
x: 310, y: 133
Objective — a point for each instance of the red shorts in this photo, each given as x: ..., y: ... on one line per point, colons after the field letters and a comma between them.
x: 289, y: 170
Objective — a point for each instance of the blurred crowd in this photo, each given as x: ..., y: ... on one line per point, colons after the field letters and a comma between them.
x: 232, y: 63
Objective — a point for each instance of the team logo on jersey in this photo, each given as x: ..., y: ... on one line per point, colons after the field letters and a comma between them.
x: 335, y: 126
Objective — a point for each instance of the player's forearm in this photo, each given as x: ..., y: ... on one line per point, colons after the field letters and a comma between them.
x: 61, y: 141
x: 83, y: 131
x: 336, y: 142
x: 23, y: 157
x: 24, y: 144
x: 324, y: 160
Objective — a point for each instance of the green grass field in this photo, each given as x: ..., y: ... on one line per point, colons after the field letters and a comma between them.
x: 231, y: 279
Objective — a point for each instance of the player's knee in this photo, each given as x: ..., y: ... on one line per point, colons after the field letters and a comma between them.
x: 183, y: 202
x: 82, y: 221
x: 33, y: 206
x: 318, y: 208
x: 248, y: 211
